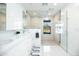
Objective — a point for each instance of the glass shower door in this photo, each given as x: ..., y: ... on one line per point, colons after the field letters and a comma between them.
x: 64, y: 35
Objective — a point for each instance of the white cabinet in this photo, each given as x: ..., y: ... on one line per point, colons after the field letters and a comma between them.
x: 19, y: 50
x: 23, y: 44
x: 73, y: 30
x: 36, y: 42
x: 13, y: 16
x: 22, y: 47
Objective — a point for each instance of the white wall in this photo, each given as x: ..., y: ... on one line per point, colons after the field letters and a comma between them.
x: 73, y: 30
x: 72, y: 42
x: 14, y: 16
x: 36, y: 22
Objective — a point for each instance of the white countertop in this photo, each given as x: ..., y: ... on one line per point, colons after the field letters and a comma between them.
x: 16, y: 40
x: 28, y: 36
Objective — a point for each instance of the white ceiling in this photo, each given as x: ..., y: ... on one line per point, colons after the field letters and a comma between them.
x: 43, y: 9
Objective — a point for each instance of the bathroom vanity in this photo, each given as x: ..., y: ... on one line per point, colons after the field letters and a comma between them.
x: 22, y: 44
x: 14, y: 39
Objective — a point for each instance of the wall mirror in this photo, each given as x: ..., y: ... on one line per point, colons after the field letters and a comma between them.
x: 46, y: 27
x: 2, y: 16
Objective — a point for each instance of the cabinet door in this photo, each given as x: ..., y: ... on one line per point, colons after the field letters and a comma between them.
x: 2, y: 16
x: 14, y: 16
x: 21, y: 49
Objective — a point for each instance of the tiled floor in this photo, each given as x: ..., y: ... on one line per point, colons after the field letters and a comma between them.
x: 53, y: 51
x: 51, y: 48
x: 49, y: 42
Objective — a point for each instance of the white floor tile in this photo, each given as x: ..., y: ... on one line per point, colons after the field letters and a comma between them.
x: 53, y: 51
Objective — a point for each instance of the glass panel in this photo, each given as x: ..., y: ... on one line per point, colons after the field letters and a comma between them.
x: 64, y: 40
x: 2, y: 16
x: 61, y: 28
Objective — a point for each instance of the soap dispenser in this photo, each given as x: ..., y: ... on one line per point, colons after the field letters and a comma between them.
x: 37, y: 35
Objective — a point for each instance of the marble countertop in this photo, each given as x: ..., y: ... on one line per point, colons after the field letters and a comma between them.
x: 14, y: 40
x: 6, y: 45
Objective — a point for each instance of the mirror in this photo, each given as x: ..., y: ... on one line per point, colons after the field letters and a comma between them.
x: 2, y: 16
